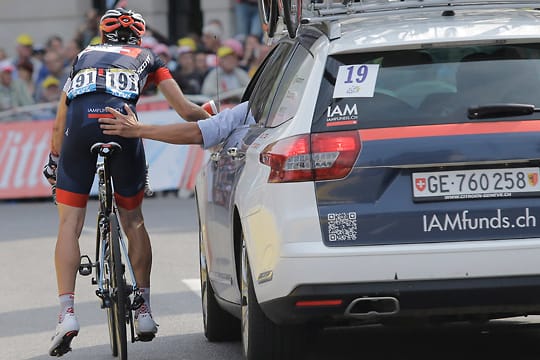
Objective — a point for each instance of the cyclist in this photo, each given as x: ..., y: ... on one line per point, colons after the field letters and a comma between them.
x: 109, y: 74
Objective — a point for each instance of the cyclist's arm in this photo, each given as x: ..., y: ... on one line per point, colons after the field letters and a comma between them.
x: 59, y: 125
x: 188, y: 110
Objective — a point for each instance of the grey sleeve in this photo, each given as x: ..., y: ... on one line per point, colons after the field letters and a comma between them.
x: 217, y: 128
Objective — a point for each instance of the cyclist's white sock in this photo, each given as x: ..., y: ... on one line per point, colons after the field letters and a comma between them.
x: 145, y: 308
x: 66, y: 305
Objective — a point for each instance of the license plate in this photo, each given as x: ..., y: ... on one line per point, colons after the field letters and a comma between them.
x: 476, y: 184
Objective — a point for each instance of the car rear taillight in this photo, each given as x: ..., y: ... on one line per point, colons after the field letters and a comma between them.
x: 311, y: 157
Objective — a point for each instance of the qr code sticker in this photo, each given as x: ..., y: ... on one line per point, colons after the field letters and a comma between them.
x: 342, y: 226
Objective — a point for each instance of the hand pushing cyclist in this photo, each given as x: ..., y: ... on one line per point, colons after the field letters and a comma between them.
x: 113, y: 75
x: 207, y: 132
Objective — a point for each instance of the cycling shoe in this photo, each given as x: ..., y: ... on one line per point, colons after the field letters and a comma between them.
x: 65, y: 332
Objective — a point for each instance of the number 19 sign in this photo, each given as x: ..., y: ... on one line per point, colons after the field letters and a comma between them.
x: 356, y: 81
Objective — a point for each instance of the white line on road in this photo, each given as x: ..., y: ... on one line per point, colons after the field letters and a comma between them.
x: 193, y: 285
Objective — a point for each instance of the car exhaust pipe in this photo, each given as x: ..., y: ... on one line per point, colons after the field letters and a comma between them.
x: 365, y: 307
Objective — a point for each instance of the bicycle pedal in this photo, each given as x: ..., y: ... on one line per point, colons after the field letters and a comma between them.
x: 138, y: 300
x: 85, y: 266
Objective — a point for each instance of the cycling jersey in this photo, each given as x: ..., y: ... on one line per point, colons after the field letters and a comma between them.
x: 104, y: 75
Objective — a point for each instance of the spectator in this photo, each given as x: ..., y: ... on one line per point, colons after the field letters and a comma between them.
x: 186, y: 74
x: 89, y: 30
x: 38, y: 52
x: 50, y: 93
x: 201, y: 63
x: 148, y: 41
x: 50, y: 90
x: 261, y: 55
x: 13, y: 92
x: 54, y: 62
x: 187, y: 41
x: 25, y: 69
x: 236, y: 45
x: 55, y: 43
x: 230, y: 75
x: 70, y: 52
x: 247, y: 19
x: 252, y: 46
x: 164, y: 53
x: 211, y: 37
x: 25, y: 52
x: 3, y: 54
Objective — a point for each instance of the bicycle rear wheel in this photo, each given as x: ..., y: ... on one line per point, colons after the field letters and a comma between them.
x: 111, y: 322
x: 118, y: 288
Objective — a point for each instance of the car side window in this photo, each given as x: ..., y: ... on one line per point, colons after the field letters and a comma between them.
x: 291, y: 88
x: 267, y: 81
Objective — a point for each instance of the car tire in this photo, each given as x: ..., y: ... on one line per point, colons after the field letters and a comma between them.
x: 219, y: 325
x: 261, y: 338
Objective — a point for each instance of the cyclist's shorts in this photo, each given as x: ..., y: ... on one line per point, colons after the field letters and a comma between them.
x: 77, y: 165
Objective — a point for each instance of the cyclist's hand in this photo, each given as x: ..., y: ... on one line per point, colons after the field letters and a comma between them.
x: 123, y: 125
x: 49, y: 170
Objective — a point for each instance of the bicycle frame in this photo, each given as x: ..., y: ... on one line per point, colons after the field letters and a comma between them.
x: 112, y: 258
x: 106, y: 208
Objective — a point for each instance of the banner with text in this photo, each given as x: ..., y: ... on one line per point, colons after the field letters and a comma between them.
x: 24, y: 149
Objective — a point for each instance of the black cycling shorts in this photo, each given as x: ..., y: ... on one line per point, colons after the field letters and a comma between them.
x: 77, y: 165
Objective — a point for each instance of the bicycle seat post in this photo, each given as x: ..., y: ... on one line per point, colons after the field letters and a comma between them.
x: 106, y: 150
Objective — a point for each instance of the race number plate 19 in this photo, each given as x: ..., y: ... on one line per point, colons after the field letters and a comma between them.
x: 476, y: 184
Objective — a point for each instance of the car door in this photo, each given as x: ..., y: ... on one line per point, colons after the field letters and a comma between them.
x: 223, y: 170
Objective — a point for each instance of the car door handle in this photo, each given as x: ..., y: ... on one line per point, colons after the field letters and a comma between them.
x: 235, y: 153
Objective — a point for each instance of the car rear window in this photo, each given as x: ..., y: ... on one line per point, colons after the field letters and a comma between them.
x: 428, y: 86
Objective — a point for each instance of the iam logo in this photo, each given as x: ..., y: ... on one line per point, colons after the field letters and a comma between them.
x: 420, y: 184
x: 533, y: 178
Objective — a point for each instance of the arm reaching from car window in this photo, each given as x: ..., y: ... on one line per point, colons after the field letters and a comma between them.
x: 208, y: 132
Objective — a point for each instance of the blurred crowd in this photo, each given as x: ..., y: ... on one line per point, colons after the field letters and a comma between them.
x: 201, y: 64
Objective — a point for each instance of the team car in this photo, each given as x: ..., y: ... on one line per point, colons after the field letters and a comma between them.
x: 387, y: 171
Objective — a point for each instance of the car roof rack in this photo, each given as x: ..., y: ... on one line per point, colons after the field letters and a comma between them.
x: 314, y: 11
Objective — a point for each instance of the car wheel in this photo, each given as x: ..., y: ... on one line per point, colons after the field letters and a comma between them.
x: 219, y: 325
x: 261, y: 338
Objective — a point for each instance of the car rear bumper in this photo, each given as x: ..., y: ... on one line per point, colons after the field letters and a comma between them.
x: 494, y: 297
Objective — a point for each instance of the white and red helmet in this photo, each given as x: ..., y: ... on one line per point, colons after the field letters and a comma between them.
x: 122, y: 26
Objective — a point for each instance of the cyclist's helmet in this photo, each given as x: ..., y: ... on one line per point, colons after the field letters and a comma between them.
x: 122, y: 26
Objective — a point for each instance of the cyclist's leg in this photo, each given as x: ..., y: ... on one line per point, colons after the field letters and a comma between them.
x: 129, y: 175
x: 139, y: 247
x: 75, y: 175
x: 76, y: 169
x: 67, y: 253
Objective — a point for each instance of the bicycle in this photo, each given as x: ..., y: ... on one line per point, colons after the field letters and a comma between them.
x: 116, y: 295
x: 289, y: 10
